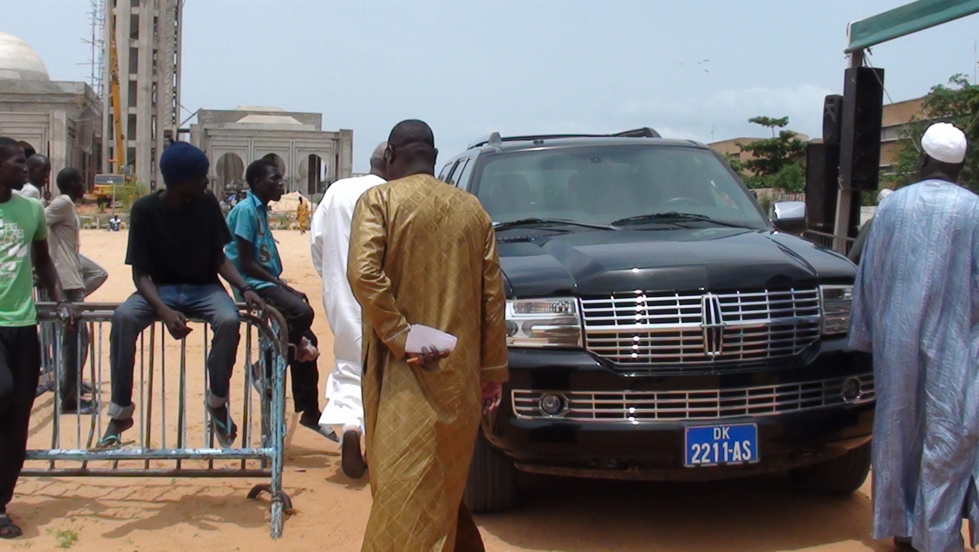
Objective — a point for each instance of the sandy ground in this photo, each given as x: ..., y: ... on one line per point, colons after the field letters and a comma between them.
x: 162, y: 514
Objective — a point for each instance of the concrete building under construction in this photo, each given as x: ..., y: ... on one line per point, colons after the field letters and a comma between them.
x: 142, y: 85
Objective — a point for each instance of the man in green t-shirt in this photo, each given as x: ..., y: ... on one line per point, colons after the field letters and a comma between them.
x: 23, y: 246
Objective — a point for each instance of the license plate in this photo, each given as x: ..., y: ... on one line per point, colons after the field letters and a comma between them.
x: 719, y: 445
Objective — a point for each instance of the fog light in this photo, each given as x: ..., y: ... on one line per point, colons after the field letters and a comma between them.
x: 852, y: 390
x: 552, y: 405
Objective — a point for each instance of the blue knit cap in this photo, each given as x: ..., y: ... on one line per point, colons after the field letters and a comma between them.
x: 181, y: 162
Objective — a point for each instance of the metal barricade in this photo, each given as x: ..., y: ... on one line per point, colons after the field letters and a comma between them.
x: 826, y: 240
x: 46, y: 381
x: 167, y: 406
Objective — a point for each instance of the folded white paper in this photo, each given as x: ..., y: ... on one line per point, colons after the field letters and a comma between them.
x: 420, y: 337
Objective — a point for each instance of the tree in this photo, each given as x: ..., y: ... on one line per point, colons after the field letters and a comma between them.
x: 774, y: 161
x: 956, y: 103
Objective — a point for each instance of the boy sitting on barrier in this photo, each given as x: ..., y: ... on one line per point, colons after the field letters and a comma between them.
x: 255, y: 255
x: 23, y: 243
x: 176, y: 248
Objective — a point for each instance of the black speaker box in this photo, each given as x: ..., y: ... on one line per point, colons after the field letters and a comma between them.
x: 832, y: 119
x: 822, y: 165
x: 863, y: 108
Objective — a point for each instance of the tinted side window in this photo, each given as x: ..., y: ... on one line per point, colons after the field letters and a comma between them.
x: 446, y: 172
x: 461, y: 173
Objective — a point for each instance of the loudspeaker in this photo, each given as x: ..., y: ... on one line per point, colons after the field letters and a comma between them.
x: 863, y: 109
x: 832, y: 119
x: 822, y: 169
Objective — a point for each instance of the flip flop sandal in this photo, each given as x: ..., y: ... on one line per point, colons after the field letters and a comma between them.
x: 114, y: 440
x: 351, y: 459
x: 325, y: 431
x: 111, y: 442
x: 224, y: 434
x: 9, y: 529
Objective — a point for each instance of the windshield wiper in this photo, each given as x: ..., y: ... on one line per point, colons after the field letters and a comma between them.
x: 674, y: 216
x: 536, y: 221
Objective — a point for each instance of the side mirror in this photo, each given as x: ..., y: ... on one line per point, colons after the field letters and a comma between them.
x: 790, y: 216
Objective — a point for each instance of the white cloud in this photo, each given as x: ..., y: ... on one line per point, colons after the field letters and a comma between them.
x: 725, y: 114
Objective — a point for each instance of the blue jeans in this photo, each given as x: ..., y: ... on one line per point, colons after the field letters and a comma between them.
x: 210, y: 302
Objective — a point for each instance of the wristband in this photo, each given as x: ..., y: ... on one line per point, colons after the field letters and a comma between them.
x: 245, y: 289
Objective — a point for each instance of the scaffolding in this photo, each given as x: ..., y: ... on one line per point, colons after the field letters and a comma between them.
x: 96, y: 42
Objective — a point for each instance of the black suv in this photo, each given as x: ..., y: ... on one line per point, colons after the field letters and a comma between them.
x: 659, y: 325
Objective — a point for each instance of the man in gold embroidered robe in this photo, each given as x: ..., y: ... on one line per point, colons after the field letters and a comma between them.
x: 423, y: 252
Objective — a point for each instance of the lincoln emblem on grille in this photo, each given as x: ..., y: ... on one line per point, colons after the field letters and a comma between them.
x: 712, y: 325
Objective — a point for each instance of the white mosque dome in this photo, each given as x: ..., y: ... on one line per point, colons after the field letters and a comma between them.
x: 18, y: 61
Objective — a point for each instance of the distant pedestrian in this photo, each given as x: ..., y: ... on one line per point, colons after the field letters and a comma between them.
x: 302, y: 215
x: 916, y: 308
x: 80, y: 277
x: 115, y: 223
x: 23, y: 247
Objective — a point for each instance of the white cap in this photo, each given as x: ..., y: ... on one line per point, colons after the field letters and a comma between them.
x: 943, y: 142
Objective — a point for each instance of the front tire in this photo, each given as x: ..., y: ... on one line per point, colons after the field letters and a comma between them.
x: 492, y: 482
x: 839, y: 476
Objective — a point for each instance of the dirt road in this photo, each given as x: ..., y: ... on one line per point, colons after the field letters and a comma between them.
x: 146, y: 515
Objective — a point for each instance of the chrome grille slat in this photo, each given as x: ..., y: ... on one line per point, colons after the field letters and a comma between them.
x: 669, y: 329
x: 706, y: 404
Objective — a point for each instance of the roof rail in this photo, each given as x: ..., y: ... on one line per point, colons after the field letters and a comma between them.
x: 644, y: 132
x: 495, y: 139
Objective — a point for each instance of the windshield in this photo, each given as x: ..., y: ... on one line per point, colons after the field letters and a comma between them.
x: 602, y: 184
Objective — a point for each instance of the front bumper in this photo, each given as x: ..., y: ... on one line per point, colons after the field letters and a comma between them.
x: 631, y: 425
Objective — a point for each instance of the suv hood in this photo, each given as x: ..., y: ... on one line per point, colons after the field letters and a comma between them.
x: 537, y: 264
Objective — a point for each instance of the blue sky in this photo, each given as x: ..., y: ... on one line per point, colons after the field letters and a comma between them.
x: 696, y: 69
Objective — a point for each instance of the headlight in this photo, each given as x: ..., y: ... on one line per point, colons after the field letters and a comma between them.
x: 837, y: 301
x: 543, y: 323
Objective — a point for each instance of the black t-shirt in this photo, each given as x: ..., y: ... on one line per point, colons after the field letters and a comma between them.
x: 177, y: 246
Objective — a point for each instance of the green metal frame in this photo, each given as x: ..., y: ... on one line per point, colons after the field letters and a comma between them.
x: 907, y: 19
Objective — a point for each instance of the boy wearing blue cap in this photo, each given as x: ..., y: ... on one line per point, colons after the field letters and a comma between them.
x: 176, y: 248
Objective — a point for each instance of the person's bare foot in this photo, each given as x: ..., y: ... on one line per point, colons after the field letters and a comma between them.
x: 306, y: 352
x: 351, y: 459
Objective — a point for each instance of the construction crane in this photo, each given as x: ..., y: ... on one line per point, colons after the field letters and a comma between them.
x: 119, y: 159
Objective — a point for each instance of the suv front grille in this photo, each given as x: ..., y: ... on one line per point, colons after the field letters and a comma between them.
x: 663, y: 329
x: 698, y: 404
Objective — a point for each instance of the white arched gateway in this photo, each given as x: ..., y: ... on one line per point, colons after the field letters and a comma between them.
x: 309, y: 158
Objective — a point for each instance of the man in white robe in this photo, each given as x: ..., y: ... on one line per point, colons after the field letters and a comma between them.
x: 330, y: 241
x: 916, y: 307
